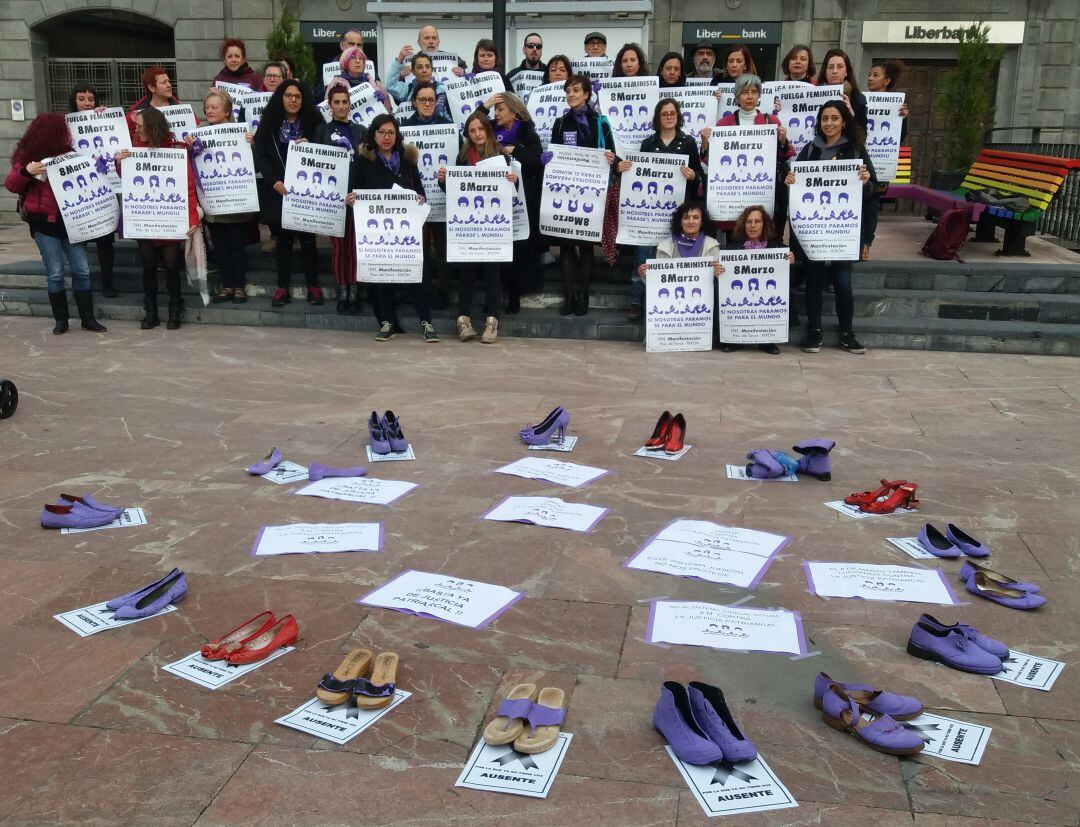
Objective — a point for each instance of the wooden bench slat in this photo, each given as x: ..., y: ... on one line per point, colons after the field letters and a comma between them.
x: 1038, y: 199
x: 1052, y: 171
x: 1023, y: 157
x: 1050, y: 183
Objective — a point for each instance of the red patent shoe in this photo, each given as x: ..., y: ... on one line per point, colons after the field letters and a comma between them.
x: 281, y: 634
x: 660, y: 433
x: 676, y: 434
x: 873, y: 496
x: 901, y: 497
x: 217, y: 649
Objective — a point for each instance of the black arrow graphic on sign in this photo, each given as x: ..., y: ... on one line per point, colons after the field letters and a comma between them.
x: 921, y: 729
x: 350, y: 711
x: 726, y: 770
x: 513, y: 755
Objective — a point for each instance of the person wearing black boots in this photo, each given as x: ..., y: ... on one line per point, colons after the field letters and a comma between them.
x: 84, y: 99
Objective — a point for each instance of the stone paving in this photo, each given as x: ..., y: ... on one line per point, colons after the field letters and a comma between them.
x: 93, y: 731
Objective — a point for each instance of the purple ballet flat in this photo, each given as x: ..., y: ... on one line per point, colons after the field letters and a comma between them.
x: 937, y: 543
x: 985, y: 586
x: 815, y: 460
x: 267, y: 463
x: 713, y: 716
x: 951, y: 647
x: 763, y: 465
x: 90, y: 502
x: 994, y: 647
x: 75, y: 515
x: 673, y: 718
x: 135, y: 596
x: 172, y: 589
x: 317, y: 471
x: 880, y: 732
x: 969, y: 569
x: 897, y: 707
x: 965, y: 542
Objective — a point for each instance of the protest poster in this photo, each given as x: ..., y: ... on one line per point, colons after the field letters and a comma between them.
x: 404, y: 110
x: 726, y: 102
x: 679, y: 302
x: 697, y: 105
x: 799, y: 106
x: 225, y: 171
x: 742, y: 170
x: 752, y: 296
x: 330, y: 70
x: 237, y: 91
x: 826, y: 209
x: 594, y: 68
x: 574, y: 192
x: 254, y: 104
x: 629, y: 104
x: 100, y: 135
x: 525, y: 81
x: 363, y: 107
x: 479, y: 214
x: 87, y: 202
x: 438, y: 146
x: 883, y: 127
x: 155, y: 200
x: 463, y: 95
x: 694, y: 81
x: 181, y: 118
x: 442, y: 65
x: 651, y: 191
x: 547, y: 104
x: 389, y: 236
x: 520, y: 213
x: 317, y: 178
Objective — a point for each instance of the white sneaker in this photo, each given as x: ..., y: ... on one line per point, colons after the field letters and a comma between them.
x: 491, y: 331
x: 465, y: 329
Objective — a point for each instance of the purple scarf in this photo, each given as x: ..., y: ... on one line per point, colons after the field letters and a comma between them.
x: 581, y: 114
x: 688, y: 247
x: 754, y: 245
x: 508, y: 136
x: 393, y: 163
x: 290, y: 131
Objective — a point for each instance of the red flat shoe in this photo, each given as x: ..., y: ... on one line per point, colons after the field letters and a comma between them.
x: 902, y: 497
x: 674, y: 442
x: 872, y: 496
x: 217, y: 649
x: 660, y: 433
x: 281, y: 634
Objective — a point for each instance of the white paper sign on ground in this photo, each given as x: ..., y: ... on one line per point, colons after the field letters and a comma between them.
x: 553, y: 470
x: 337, y: 724
x: 317, y: 179
x: 742, y: 170
x: 911, y: 547
x: 317, y: 538
x: 679, y: 295
x: 389, y: 236
x: 799, y: 105
x: 503, y: 769
x: 86, y: 200
x: 661, y: 454
x: 949, y: 738
x: 752, y: 296
x: 398, y: 456
x: 724, y: 789
x: 698, y: 107
x: 651, y: 190
x: 181, y: 118
x: 738, y: 472
x: 550, y: 512
x: 99, y: 618
x: 873, y: 582
x: 479, y: 214
x: 693, y: 623
x: 547, y: 104
x: 212, y: 674
x: 438, y: 146
x: 155, y: 199
x: 225, y: 182
x: 854, y: 512
x: 99, y: 136
x: 629, y: 104
x: 441, y: 597
x: 286, y: 472
x: 128, y: 518
x: 358, y: 489
x: 1029, y: 670
x: 566, y: 446
x: 883, y: 127
x: 574, y: 193
x: 825, y: 204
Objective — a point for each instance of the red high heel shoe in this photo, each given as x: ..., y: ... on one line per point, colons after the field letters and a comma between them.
x: 281, y: 634
x: 677, y: 433
x: 218, y: 649
x: 660, y: 433
x: 901, y: 497
x: 872, y: 496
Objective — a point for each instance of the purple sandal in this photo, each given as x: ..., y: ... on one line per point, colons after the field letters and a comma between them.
x: 880, y: 732
x: 897, y: 707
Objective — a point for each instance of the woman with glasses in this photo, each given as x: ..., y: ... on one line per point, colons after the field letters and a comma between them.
x: 424, y: 73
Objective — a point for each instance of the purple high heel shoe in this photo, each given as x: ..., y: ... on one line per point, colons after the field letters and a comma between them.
x: 392, y: 428
x: 713, y: 716
x: 267, y: 463
x: 318, y: 471
x: 815, y: 460
x: 937, y: 543
x: 965, y: 542
x: 673, y: 718
x: 135, y: 596
x: 75, y: 515
x: 171, y: 590
x: 897, y: 707
x: 552, y: 429
x: 994, y: 647
x: 880, y: 732
x: 380, y: 442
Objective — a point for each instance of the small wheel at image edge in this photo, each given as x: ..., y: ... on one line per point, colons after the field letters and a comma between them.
x: 9, y: 398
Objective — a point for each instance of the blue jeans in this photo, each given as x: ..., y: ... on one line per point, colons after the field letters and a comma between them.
x: 53, y: 251
x: 637, y: 284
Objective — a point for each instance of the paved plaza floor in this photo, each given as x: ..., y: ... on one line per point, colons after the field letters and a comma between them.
x: 94, y: 731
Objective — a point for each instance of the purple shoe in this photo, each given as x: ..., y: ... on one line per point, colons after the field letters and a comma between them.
x: 880, y: 733
x: 552, y: 429
x: 951, y: 647
x: 674, y: 719
x: 380, y: 442
x: 713, y: 716
x: 75, y: 515
x: 392, y: 428
x: 317, y: 471
x: 763, y: 465
x: 937, y: 543
x: 982, y: 585
x: 267, y: 463
x: 897, y: 707
x: 172, y: 589
x: 90, y: 502
x: 815, y: 460
x: 994, y: 647
x: 965, y: 542
x: 969, y: 569
x: 135, y: 596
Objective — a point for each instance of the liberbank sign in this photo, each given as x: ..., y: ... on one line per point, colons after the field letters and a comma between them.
x: 1009, y: 32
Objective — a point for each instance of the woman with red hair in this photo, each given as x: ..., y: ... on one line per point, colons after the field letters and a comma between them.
x: 47, y: 136
x: 236, y: 69
x: 159, y: 93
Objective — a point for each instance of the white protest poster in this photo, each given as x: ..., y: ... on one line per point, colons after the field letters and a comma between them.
x: 502, y: 769
x: 825, y: 208
x: 155, y: 200
x: 461, y: 99
x: 726, y: 102
x: 317, y: 178
x: 338, y: 723
x: 547, y: 104
x: 697, y: 105
x: 694, y: 81
x: 317, y: 538
x: 553, y: 470
x: 742, y: 170
x: 389, y: 236
x: 438, y: 147
x: 525, y: 81
x: 237, y: 91
x: 225, y: 169
x: 86, y: 200
x: 949, y: 738
x: 363, y: 107
x: 594, y: 68
x: 520, y: 215
x: 679, y: 304
x: 883, y: 126
x: 254, y: 104
x: 1031, y: 671
x: 724, y: 789
x: 629, y: 104
x: 799, y: 105
x: 100, y: 136
x: 441, y: 597
x: 874, y: 582
x: 575, y: 190
x: 330, y: 70
x: 752, y: 296
x: 651, y: 191
x: 736, y: 628
x: 550, y: 512
x: 358, y: 489
x: 90, y: 620
x: 403, y: 111
x: 479, y: 214
x: 442, y: 65
x: 181, y: 118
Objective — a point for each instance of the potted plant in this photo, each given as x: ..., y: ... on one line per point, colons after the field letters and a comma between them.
x: 285, y: 38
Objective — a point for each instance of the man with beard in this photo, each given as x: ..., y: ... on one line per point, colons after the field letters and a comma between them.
x: 704, y: 61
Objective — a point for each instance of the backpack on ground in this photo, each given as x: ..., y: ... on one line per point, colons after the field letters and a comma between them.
x: 948, y: 237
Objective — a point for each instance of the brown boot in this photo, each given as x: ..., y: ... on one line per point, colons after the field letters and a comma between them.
x: 491, y: 331
x: 465, y: 329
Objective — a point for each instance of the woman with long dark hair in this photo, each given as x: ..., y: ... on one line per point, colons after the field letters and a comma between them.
x: 290, y: 116
x: 559, y: 69
x: 836, y: 71
x: 798, y: 64
x: 486, y: 58
x: 47, y: 136
x: 630, y: 62
x: 671, y: 70
x: 882, y: 78
x: 737, y: 62
x: 84, y: 98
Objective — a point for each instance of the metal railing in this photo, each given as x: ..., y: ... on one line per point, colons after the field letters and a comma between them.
x: 1062, y: 217
x: 118, y: 81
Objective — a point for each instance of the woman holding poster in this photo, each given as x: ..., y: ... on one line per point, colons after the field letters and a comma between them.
x: 630, y: 62
x: 47, y: 136
x: 354, y: 72
x: 423, y: 72
x: 236, y: 68
x: 84, y: 99
x: 882, y: 78
x: 486, y: 59
x: 837, y: 138
x: 737, y: 62
x: 557, y: 71
x: 836, y: 71
x: 672, y: 71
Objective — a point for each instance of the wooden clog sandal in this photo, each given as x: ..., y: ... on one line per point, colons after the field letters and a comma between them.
x: 509, y: 722
x: 377, y: 691
x: 544, y: 719
x: 337, y: 687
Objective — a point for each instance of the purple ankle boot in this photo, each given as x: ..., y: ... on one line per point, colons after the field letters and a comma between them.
x: 673, y: 718
x: 713, y: 716
x: 763, y: 465
x: 815, y: 460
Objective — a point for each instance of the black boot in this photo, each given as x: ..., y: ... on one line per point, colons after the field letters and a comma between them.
x: 59, y: 312
x: 84, y: 300
x: 566, y: 264
x: 581, y: 302
x: 176, y: 301
x: 107, y: 289
x: 356, y: 305
x: 344, y: 292
x: 149, y: 286
x: 581, y: 306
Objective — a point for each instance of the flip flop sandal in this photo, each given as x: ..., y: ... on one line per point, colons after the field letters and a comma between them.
x: 509, y: 722
x: 378, y: 691
x: 337, y: 687
x: 544, y: 719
